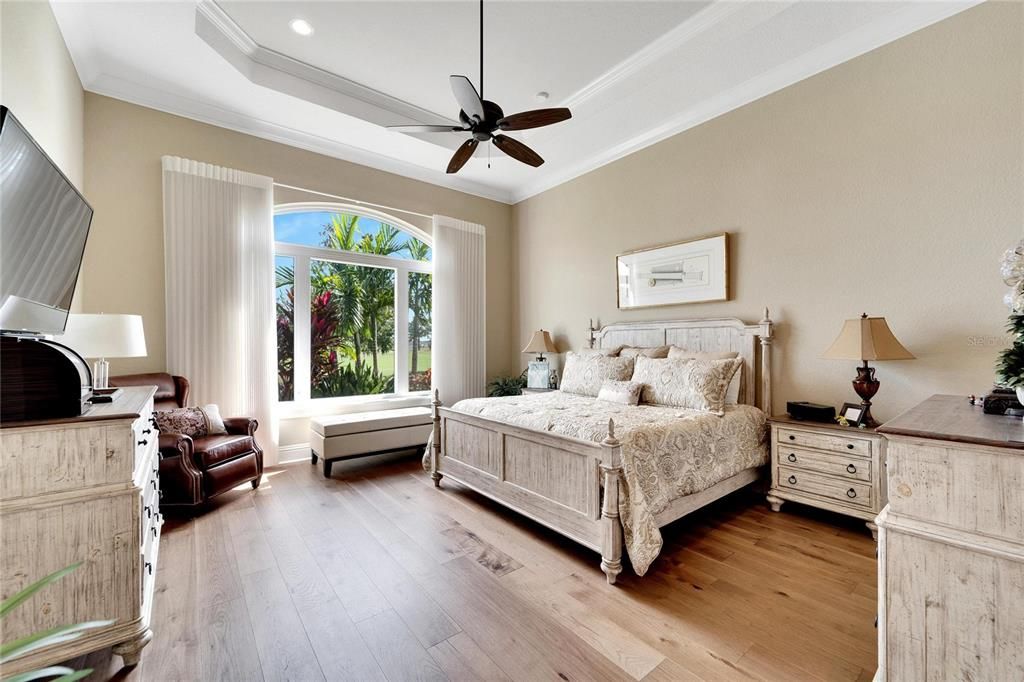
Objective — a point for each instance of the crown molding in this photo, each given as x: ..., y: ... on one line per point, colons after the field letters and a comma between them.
x: 160, y: 100
x: 913, y: 18
x: 271, y: 69
x: 658, y: 49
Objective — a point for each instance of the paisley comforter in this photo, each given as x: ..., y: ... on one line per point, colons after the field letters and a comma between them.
x: 667, y: 452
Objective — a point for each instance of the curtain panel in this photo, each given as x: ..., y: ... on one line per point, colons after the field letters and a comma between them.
x: 219, y: 274
x: 459, y: 355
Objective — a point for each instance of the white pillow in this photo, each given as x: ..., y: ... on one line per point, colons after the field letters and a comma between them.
x: 622, y: 392
x: 694, y: 384
x: 732, y: 395
x: 584, y: 374
x: 609, y: 352
x: 647, y: 352
x: 214, y: 422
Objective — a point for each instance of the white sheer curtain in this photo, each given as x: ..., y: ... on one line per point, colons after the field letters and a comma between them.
x: 459, y: 354
x: 219, y: 274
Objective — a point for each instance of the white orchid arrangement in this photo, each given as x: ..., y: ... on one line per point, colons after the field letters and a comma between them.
x: 1012, y: 271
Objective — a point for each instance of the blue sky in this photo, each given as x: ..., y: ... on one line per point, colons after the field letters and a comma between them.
x: 305, y: 228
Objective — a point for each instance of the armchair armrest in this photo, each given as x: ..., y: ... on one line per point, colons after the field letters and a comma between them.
x: 241, y: 426
x: 180, y: 478
x: 175, y: 445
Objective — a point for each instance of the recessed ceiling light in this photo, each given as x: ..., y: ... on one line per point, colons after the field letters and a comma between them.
x: 302, y: 27
x: 542, y: 96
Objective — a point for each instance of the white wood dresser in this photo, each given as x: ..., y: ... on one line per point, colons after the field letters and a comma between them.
x: 84, y: 489
x: 839, y: 468
x: 951, y: 545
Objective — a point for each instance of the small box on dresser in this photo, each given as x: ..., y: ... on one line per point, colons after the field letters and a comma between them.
x: 82, y: 489
x: 839, y: 468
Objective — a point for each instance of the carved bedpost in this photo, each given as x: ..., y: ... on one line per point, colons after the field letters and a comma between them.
x: 591, y: 330
x: 766, y: 363
x: 435, y: 454
x: 611, y: 542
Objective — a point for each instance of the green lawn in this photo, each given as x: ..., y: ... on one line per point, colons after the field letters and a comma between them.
x: 386, y: 362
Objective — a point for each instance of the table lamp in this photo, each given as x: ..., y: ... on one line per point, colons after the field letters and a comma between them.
x: 867, y: 338
x: 539, y: 372
x: 102, y: 336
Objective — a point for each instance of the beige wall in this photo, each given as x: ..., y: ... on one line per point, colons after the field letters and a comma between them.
x: 124, y: 258
x: 890, y: 184
x: 38, y: 82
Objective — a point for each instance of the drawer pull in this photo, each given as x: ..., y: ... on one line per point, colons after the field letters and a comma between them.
x: 149, y: 568
x: 149, y: 512
x: 792, y: 479
x: 792, y: 437
x: 849, y: 446
x: 154, y: 530
x: 851, y: 493
x: 146, y: 432
x: 792, y: 457
x: 144, y: 441
x: 154, y: 484
x: 850, y: 468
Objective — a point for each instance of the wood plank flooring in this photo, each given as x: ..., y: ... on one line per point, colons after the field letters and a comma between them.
x: 375, y: 575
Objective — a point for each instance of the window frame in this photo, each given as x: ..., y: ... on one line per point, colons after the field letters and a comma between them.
x: 303, y: 404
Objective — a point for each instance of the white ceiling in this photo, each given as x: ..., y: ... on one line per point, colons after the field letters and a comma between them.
x: 632, y: 72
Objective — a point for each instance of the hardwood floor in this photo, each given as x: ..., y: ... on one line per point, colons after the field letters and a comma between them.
x: 375, y: 575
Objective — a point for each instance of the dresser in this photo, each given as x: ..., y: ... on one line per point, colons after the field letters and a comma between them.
x: 839, y: 468
x: 951, y: 545
x: 82, y: 489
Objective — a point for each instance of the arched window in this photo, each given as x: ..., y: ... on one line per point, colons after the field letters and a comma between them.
x: 353, y: 303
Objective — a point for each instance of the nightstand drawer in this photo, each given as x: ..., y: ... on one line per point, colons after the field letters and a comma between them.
x: 825, y: 441
x: 848, y: 492
x: 844, y: 466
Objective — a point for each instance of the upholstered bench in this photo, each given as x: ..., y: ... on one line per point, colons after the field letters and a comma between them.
x: 368, y: 433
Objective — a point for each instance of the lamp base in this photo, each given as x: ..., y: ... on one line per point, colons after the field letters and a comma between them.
x: 866, y: 386
x: 100, y: 373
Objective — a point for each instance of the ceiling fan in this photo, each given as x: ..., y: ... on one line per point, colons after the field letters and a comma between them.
x: 482, y: 119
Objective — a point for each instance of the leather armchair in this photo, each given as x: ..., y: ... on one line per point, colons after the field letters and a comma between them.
x: 194, y: 470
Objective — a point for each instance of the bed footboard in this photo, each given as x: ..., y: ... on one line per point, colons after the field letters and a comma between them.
x: 551, y: 479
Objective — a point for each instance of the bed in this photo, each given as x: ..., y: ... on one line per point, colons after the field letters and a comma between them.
x: 608, y: 475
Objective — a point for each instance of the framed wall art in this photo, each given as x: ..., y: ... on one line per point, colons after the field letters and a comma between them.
x: 685, y: 272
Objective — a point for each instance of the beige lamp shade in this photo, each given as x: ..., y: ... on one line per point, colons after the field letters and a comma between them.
x: 105, y: 336
x: 540, y: 343
x: 867, y: 338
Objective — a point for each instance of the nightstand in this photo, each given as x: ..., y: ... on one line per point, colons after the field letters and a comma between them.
x: 839, y: 468
x: 529, y: 391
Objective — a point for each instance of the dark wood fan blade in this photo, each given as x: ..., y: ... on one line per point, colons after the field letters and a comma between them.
x: 426, y: 129
x: 462, y: 155
x: 517, y: 150
x: 534, y: 119
x: 467, y: 97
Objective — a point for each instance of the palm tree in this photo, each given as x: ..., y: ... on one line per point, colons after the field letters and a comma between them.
x: 378, y: 300
x: 420, y: 303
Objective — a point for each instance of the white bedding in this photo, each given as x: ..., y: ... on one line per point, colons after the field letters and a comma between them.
x: 667, y: 452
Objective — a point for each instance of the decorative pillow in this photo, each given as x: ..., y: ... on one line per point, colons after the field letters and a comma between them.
x: 649, y: 352
x: 732, y: 395
x: 194, y: 422
x: 214, y: 422
x: 608, y: 352
x: 584, y: 374
x: 694, y: 384
x: 623, y: 392
x: 677, y: 353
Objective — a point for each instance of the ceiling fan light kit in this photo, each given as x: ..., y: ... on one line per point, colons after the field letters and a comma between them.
x: 482, y: 119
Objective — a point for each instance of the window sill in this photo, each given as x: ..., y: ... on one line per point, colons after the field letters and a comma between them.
x: 351, y: 404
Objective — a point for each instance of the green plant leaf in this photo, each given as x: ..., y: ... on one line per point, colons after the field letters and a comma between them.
x: 66, y: 674
x: 11, y: 602
x: 57, y: 635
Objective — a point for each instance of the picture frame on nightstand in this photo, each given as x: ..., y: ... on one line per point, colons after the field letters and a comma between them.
x: 852, y: 413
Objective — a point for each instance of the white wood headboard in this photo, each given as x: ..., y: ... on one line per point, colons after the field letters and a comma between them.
x: 705, y: 334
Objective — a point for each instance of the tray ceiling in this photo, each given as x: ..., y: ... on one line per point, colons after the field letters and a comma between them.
x: 632, y: 72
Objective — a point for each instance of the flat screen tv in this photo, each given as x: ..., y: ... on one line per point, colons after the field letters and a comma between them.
x: 44, y: 222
